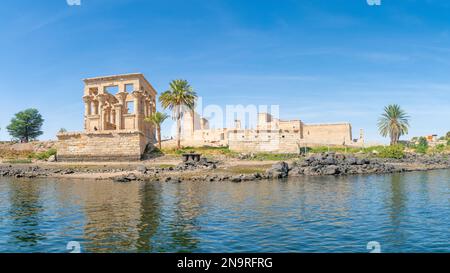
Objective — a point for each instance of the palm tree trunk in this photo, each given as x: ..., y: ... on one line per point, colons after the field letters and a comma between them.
x: 159, y: 137
x: 394, y: 139
x: 178, y: 127
x: 193, y: 121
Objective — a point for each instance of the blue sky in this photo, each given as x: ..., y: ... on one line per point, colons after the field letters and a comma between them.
x: 320, y: 60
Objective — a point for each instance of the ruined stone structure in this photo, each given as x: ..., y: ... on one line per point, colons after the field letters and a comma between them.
x: 114, y: 126
x: 270, y: 135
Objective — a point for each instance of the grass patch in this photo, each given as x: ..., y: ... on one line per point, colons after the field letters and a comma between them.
x: 14, y: 154
x: 18, y: 161
x: 273, y: 157
x: 246, y: 170
x: 324, y: 149
x: 349, y: 150
x: 165, y: 166
x: 205, y: 150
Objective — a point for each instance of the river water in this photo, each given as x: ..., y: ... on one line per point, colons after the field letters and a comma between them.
x: 402, y: 212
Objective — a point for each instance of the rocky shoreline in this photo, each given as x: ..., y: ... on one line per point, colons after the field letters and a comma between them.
x: 208, y: 170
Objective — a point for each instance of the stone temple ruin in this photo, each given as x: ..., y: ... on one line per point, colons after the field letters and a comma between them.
x: 115, y: 130
x: 114, y: 126
x: 270, y: 135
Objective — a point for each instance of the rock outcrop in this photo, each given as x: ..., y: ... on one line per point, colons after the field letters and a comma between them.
x: 204, y: 163
x: 278, y: 170
x: 339, y: 164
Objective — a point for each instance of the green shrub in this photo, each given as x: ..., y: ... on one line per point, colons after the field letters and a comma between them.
x: 439, y: 148
x: 394, y: 151
x: 448, y: 142
x: 44, y: 155
x: 422, y: 147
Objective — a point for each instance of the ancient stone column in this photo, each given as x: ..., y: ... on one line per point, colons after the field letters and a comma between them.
x: 113, y: 117
x: 119, y: 121
x: 150, y: 107
x: 144, y: 106
x: 122, y: 97
x: 87, y: 105
x: 95, y: 102
x: 137, y: 109
x: 101, y: 104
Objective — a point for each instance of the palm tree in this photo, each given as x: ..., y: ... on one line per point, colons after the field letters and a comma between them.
x: 179, y: 95
x: 157, y: 119
x: 394, y: 122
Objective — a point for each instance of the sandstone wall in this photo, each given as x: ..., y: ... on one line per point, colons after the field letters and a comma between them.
x: 328, y: 134
x: 104, y: 146
x: 264, y: 141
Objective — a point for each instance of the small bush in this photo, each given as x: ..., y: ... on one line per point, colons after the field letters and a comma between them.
x: 439, y: 148
x: 394, y: 151
x: 44, y: 155
x: 422, y: 147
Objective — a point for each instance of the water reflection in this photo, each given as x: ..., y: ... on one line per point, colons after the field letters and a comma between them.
x: 397, y: 205
x: 112, y: 213
x: 187, y: 205
x: 25, y: 214
x: 150, y: 217
x: 404, y: 212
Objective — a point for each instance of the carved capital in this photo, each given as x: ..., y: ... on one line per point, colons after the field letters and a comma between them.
x: 101, y: 98
x: 87, y: 99
x: 137, y: 94
x: 122, y: 96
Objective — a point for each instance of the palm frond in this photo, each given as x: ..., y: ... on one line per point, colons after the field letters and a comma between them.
x: 393, y: 122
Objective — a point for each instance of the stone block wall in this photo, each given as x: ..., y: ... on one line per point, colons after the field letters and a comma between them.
x: 328, y: 134
x: 263, y: 141
x: 101, y: 146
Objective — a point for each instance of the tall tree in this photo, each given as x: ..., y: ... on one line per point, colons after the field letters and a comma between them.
x: 26, y: 125
x: 157, y: 119
x: 394, y: 122
x: 179, y: 95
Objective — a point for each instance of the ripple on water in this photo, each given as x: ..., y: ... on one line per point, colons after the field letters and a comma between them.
x: 404, y: 212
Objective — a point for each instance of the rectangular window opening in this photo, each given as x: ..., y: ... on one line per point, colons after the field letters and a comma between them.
x: 114, y: 89
x: 130, y: 107
x: 129, y: 87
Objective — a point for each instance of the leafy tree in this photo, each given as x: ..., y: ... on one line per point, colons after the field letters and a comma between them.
x: 26, y: 125
x: 422, y: 147
x: 447, y: 135
x: 394, y: 122
x: 157, y: 119
x: 62, y: 130
x: 179, y: 95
